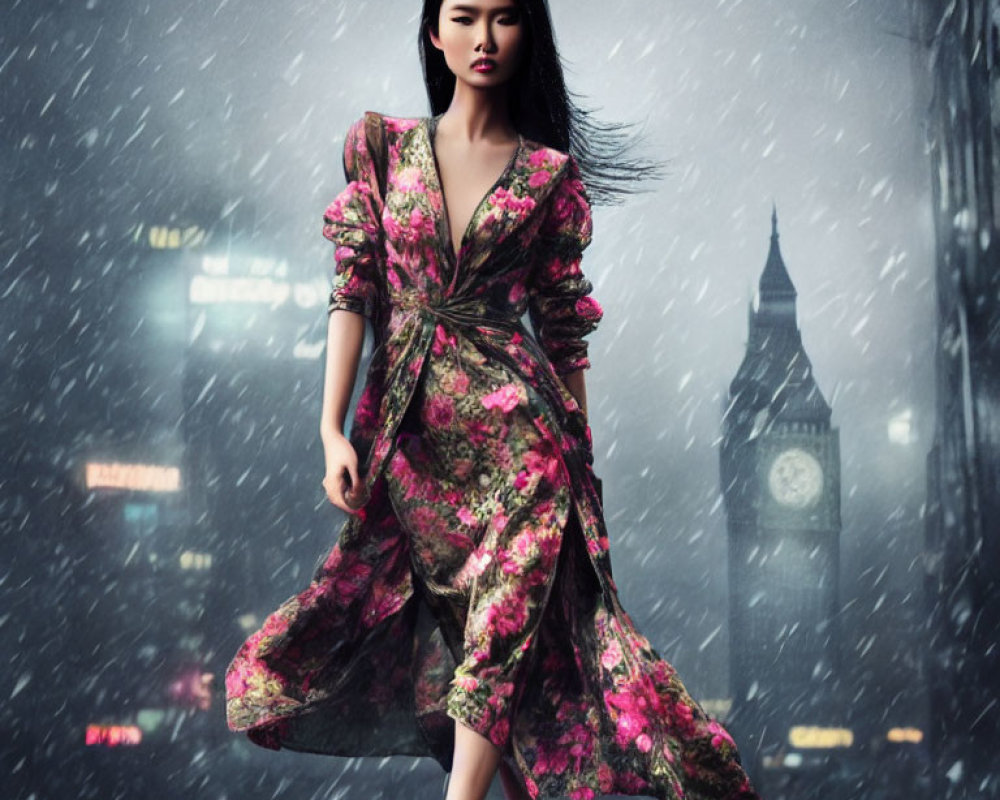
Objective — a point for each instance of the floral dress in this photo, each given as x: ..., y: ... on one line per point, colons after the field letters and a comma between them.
x: 475, y: 582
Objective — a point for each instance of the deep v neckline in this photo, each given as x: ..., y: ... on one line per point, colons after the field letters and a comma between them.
x: 430, y: 128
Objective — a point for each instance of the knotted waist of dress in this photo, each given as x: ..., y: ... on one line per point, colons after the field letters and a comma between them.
x: 467, y: 310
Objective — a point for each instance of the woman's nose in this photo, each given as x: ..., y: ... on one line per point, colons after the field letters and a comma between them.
x: 485, y: 40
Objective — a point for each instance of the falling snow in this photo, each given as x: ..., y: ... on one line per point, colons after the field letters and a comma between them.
x: 163, y: 283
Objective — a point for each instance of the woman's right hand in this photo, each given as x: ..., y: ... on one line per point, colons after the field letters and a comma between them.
x: 345, y: 493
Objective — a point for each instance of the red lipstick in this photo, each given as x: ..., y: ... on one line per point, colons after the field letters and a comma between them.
x: 484, y: 65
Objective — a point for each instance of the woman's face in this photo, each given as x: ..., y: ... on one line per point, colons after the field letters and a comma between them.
x: 481, y: 40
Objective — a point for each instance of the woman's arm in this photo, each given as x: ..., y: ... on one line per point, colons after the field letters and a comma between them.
x: 576, y: 383
x: 344, y: 340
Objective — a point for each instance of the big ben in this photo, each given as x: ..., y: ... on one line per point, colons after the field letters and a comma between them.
x: 780, y: 471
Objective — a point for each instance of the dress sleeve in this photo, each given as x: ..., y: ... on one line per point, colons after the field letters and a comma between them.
x: 560, y: 307
x: 352, y: 223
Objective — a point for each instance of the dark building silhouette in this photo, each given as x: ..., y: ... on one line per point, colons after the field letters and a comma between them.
x: 960, y: 66
x: 780, y: 470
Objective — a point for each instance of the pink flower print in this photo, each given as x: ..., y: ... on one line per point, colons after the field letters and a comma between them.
x: 548, y: 546
x: 720, y: 734
x: 500, y: 519
x: 350, y: 578
x: 381, y: 604
x: 478, y: 431
x: 522, y: 480
x: 410, y: 179
x: 391, y: 226
x: 579, y: 742
x: 589, y: 309
x: 467, y: 683
x: 443, y: 340
x: 400, y: 124
x: 540, y: 178
x: 605, y: 778
x: 502, y: 455
x: 525, y: 543
x: 612, y: 655
x: 459, y: 540
x: 500, y: 731
x: 455, y: 382
x: 631, y: 720
x: 507, y: 615
x: 517, y: 292
x: 427, y: 519
x: 479, y: 656
x: 543, y: 464
x: 508, y: 201
x: 630, y: 725
x: 531, y: 786
x: 478, y: 562
x: 508, y: 565
x: 236, y: 680
x: 440, y: 411
x: 554, y: 760
x: 631, y: 783
x: 643, y: 742
x: 394, y: 279
x: 421, y: 225
x: 466, y: 516
x: 582, y: 793
x: 506, y: 398
x: 668, y: 753
x: 539, y: 158
x: 366, y: 412
x: 565, y: 211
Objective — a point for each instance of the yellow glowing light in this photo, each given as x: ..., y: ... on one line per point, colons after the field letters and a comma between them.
x: 808, y: 736
x: 162, y: 237
x: 914, y: 735
x: 140, y: 477
x: 192, y: 561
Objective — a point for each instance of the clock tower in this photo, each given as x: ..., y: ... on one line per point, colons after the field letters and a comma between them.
x: 780, y: 471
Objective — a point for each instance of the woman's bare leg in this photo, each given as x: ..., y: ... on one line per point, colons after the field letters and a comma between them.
x: 513, y: 783
x: 473, y: 766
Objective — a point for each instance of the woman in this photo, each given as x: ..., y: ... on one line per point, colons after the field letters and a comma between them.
x: 467, y: 611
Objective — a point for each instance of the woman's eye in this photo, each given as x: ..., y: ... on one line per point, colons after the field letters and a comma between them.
x: 462, y: 20
x: 513, y: 19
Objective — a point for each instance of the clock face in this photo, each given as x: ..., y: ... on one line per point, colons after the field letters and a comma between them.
x: 795, y: 479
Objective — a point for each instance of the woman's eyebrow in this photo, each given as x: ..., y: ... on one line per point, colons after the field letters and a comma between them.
x: 475, y: 10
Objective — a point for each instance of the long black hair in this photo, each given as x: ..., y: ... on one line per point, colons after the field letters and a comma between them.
x: 542, y: 109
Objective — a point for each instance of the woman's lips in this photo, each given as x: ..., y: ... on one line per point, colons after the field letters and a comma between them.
x: 484, y: 65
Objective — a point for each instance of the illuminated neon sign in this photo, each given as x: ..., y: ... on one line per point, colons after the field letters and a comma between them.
x: 213, y: 289
x: 113, y: 735
x: 807, y: 736
x: 140, y: 477
x: 165, y: 237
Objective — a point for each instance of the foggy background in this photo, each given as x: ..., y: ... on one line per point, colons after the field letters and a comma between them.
x: 231, y: 115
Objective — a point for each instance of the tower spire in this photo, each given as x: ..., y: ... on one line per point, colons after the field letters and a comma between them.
x: 777, y: 292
